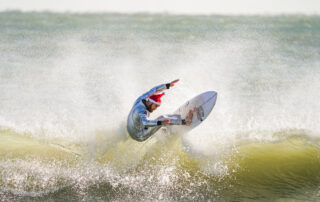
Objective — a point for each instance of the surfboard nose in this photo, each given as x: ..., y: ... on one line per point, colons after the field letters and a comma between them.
x: 211, y: 94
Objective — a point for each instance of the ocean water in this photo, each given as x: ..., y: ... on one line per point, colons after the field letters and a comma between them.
x: 68, y: 81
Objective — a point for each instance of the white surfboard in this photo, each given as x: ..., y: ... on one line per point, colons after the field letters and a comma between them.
x: 203, y: 103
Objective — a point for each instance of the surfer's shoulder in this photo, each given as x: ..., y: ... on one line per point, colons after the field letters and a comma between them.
x: 140, y: 107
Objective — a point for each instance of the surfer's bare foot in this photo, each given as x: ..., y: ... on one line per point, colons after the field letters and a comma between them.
x: 189, y: 118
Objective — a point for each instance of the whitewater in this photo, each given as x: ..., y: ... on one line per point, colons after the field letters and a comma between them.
x: 69, y: 80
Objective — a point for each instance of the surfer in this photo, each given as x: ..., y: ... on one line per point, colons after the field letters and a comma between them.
x: 139, y: 126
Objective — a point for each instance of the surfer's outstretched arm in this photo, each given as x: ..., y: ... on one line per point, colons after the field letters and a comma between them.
x: 162, y: 120
x: 157, y: 89
x: 148, y: 123
x: 152, y: 91
x: 175, y: 119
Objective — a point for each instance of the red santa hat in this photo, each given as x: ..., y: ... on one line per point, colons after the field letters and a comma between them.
x: 155, y: 98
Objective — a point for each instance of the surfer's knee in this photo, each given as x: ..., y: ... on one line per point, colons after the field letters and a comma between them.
x: 140, y: 138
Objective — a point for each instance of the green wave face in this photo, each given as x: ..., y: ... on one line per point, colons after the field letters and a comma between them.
x: 286, y: 169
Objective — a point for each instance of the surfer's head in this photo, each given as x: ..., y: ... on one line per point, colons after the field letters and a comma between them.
x: 151, y: 106
x: 153, y: 102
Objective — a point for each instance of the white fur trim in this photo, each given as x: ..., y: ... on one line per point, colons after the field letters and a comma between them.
x: 151, y: 100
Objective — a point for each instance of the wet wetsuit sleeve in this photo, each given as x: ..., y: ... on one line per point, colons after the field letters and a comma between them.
x: 147, y: 123
x: 154, y: 90
x: 175, y: 119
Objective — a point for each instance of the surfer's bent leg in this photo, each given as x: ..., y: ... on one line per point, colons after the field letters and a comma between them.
x: 147, y: 132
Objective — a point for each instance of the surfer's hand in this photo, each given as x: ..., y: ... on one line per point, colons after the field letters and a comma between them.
x: 188, y: 123
x: 173, y: 82
x: 165, y: 122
